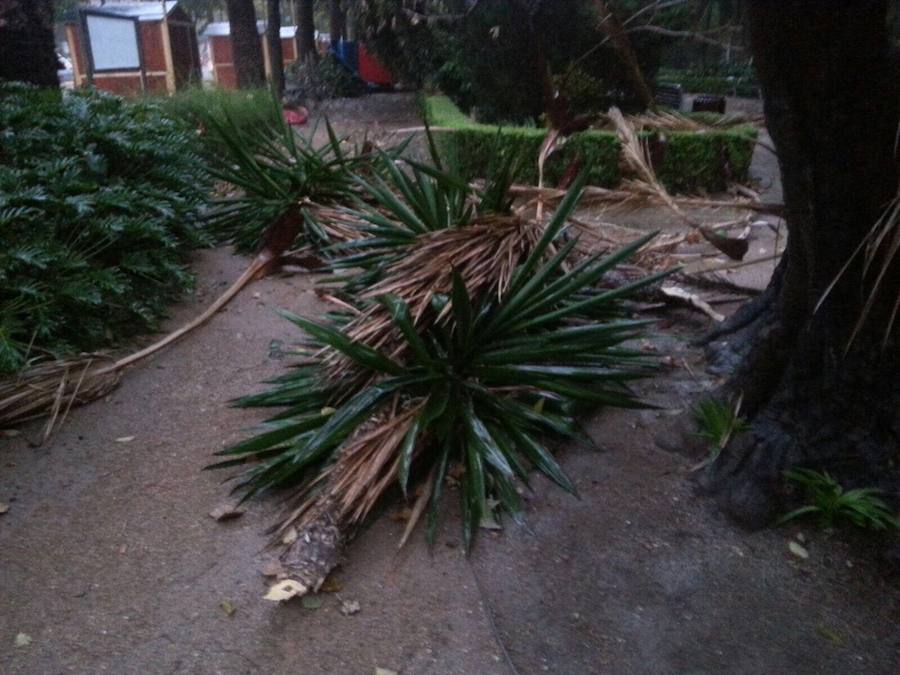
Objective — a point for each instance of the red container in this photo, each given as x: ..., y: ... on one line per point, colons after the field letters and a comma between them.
x: 372, y: 71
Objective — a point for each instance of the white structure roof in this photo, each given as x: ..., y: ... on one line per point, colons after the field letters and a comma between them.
x: 220, y: 28
x: 142, y: 11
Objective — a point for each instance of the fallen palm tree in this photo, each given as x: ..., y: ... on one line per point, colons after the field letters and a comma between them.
x: 462, y: 370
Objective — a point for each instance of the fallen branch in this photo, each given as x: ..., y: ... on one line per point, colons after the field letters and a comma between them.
x: 598, y: 194
x: 682, y: 296
x: 684, y: 34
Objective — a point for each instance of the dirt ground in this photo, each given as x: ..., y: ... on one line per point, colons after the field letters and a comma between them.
x: 109, y: 561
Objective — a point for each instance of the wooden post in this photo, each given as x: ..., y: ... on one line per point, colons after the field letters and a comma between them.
x: 75, y: 49
x: 267, y: 58
x: 167, y: 50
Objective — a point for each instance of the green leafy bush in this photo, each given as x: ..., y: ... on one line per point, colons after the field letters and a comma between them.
x: 471, y: 146
x: 706, y: 161
x: 99, y: 206
x: 246, y: 108
x: 691, y: 161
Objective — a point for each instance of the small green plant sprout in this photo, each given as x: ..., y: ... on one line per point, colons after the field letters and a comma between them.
x: 719, y: 422
x: 862, y: 507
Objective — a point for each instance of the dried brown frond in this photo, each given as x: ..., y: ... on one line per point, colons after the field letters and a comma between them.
x: 665, y: 120
x: 338, y: 223
x: 880, y: 250
x: 485, y: 254
x: 53, y: 387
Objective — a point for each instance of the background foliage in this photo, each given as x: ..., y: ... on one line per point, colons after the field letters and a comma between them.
x: 99, y: 206
x: 488, y: 61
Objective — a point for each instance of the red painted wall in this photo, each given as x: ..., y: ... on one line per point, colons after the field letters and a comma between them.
x: 152, y: 46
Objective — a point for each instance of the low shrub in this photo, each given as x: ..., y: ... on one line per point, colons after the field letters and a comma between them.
x: 690, y: 161
x: 472, y: 145
x: 737, y: 84
x: 246, y: 108
x: 99, y: 206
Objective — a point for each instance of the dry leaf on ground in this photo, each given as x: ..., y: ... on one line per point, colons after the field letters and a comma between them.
x: 798, y: 550
x: 285, y: 590
x: 226, y: 512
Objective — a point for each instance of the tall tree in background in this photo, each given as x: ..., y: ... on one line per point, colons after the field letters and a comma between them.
x: 248, y: 58
x: 307, y: 28
x: 820, y: 379
x: 337, y: 21
x: 27, y: 47
x: 273, y: 37
x: 612, y: 27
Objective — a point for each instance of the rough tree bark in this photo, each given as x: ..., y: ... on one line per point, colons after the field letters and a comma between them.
x: 337, y: 22
x: 248, y: 58
x: 273, y: 38
x: 307, y: 29
x: 27, y: 48
x: 831, y: 104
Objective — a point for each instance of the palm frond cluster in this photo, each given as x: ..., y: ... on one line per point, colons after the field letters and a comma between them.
x: 99, y: 205
x: 466, y: 336
x: 275, y: 175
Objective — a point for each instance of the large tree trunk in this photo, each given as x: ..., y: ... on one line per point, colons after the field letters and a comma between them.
x: 245, y: 44
x: 307, y: 29
x: 831, y: 104
x: 337, y: 22
x: 27, y: 48
x: 273, y: 37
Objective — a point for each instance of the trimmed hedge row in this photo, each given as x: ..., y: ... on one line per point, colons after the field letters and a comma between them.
x: 701, y: 83
x: 690, y: 161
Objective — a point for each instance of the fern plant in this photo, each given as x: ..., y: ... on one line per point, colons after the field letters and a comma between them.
x: 99, y: 206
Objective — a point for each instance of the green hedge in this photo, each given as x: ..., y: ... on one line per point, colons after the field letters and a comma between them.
x: 707, y: 83
x: 471, y: 145
x: 691, y: 161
